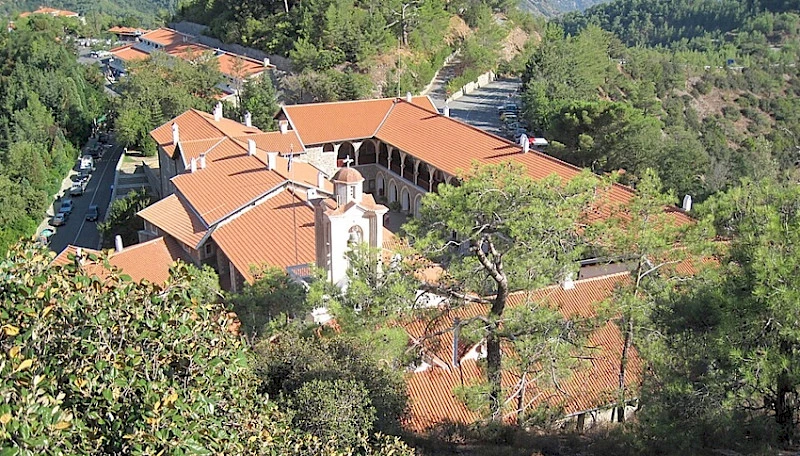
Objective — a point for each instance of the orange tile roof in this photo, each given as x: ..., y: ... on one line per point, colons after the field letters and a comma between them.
x: 266, y: 234
x: 127, y: 30
x: 319, y: 123
x: 233, y: 179
x: 453, y: 146
x: 195, y: 125
x: 187, y: 51
x: 594, y: 385
x: 173, y: 216
x: 51, y: 11
x: 129, y: 53
x: 239, y: 66
x: 71, y: 250
x: 166, y: 37
x: 149, y: 260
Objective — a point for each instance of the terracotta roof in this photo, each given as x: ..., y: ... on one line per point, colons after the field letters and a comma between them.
x: 127, y: 30
x: 129, y: 53
x: 266, y: 234
x: 71, y: 250
x: 239, y: 66
x: 233, y: 179
x: 173, y: 216
x: 591, y: 386
x: 453, y: 146
x: 348, y: 176
x: 51, y: 11
x: 187, y: 51
x: 195, y: 125
x: 146, y: 261
x: 166, y: 36
x: 319, y: 123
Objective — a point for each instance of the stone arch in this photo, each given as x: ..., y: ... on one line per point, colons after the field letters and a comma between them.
x: 367, y: 154
x: 392, y: 193
x: 328, y: 147
x: 346, y: 149
x: 417, y: 205
x: 383, y: 155
x: 423, y: 177
x: 408, y: 168
x: 380, y: 185
x: 405, y: 200
x: 396, y: 162
x: 438, y: 179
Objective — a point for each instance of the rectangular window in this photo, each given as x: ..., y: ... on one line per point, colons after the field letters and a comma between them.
x: 209, y: 249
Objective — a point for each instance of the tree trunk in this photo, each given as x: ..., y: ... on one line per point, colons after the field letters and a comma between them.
x: 623, y: 363
x: 493, y: 354
x: 784, y: 411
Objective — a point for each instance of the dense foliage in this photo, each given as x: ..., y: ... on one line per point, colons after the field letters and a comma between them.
x: 102, y: 366
x: 122, y: 219
x: 703, y: 112
x: 304, y: 371
x: 48, y: 103
x: 160, y: 88
x: 135, y: 13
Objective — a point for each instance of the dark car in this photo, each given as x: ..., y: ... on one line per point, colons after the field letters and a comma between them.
x: 92, y: 214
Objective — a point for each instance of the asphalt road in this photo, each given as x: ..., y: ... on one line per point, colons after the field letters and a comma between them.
x: 77, y: 231
x: 480, y: 107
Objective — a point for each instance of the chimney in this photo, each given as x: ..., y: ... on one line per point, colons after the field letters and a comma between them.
x: 568, y: 283
x: 687, y: 203
x: 272, y: 159
x: 175, y: 136
x: 284, y: 125
x: 446, y: 111
x: 251, y: 147
x: 118, y: 243
x: 266, y: 62
x: 218, y: 111
x: 321, y: 180
x: 193, y: 165
x: 248, y: 119
x: 525, y: 143
x: 408, y: 97
x: 202, y: 161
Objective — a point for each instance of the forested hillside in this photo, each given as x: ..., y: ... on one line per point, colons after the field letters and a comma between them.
x: 551, y: 8
x: 653, y: 22
x: 136, y: 13
x: 342, y: 49
x: 48, y: 103
x: 704, y: 112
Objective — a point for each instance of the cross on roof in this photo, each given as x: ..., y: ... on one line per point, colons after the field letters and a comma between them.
x: 347, y: 161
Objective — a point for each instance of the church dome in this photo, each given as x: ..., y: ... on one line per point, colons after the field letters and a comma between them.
x: 348, y: 176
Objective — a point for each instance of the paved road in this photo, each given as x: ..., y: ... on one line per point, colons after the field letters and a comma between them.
x: 480, y: 107
x: 77, y: 231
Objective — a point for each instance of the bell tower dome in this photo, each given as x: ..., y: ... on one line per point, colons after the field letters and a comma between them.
x: 348, y: 186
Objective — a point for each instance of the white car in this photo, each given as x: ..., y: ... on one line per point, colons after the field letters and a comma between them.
x: 59, y: 219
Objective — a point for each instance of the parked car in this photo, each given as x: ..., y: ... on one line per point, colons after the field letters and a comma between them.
x: 59, y: 219
x: 93, y: 213
x: 103, y: 137
x: 78, y: 188
x: 87, y: 162
x: 508, y: 117
x: 508, y: 107
x: 66, y: 207
x: 85, y: 174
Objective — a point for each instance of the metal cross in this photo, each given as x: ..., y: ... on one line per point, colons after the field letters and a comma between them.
x: 347, y: 161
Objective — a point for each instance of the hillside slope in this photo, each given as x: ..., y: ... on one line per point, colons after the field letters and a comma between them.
x: 551, y: 8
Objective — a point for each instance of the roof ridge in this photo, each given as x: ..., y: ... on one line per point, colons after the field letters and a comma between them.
x: 137, y: 245
x: 386, y: 116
